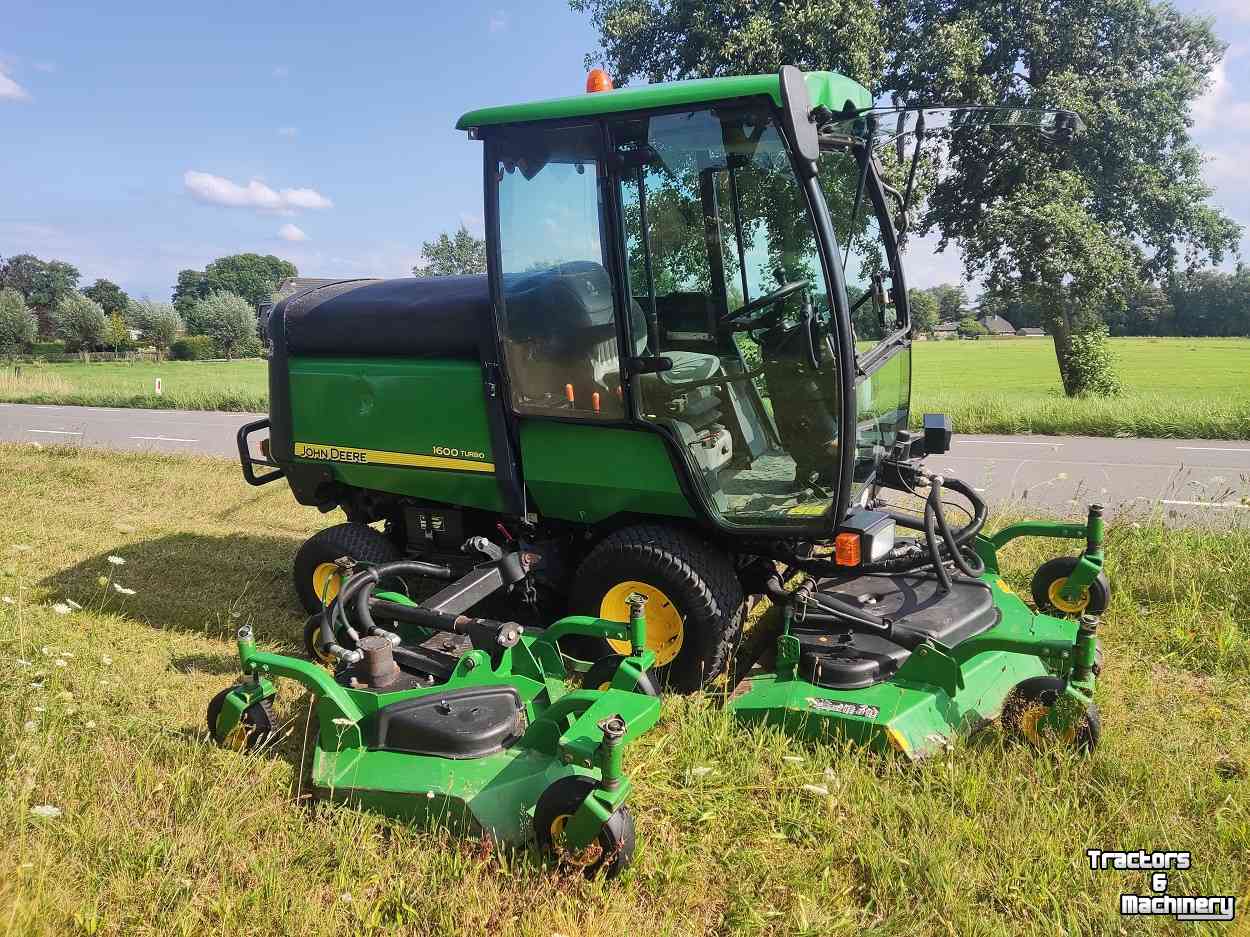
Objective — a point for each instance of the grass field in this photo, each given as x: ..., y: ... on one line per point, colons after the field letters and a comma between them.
x: 160, y: 832
x: 185, y: 385
x: 1189, y: 388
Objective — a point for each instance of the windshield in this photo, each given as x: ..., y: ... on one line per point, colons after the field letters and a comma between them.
x: 861, y: 224
x: 727, y: 285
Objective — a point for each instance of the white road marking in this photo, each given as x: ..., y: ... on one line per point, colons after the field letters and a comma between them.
x: 164, y: 438
x: 1211, y: 449
x: 1209, y: 504
x: 55, y: 432
x: 1004, y: 442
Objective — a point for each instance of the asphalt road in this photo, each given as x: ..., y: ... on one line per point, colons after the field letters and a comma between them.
x: 1189, y: 479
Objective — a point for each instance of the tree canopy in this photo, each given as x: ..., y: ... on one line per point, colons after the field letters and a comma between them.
x: 228, y: 319
x: 111, y: 297
x: 1072, y: 230
x: 452, y: 255
x: 17, y: 322
x: 80, y: 322
x: 255, y: 277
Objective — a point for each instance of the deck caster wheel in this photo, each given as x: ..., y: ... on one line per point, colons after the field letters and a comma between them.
x: 613, y: 849
x: 601, y: 672
x: 256, y: 725
x: 1048, y: 583
x: 1032, y: 699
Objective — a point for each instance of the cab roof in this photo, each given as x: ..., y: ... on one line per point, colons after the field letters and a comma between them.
x: 830, y: 89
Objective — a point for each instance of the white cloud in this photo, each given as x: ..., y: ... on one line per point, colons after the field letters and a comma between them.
x: 217, y: 190
x: 498, y: 21
x: 288, y: 131
x: 290, y: 232
x: 10, y: 90
x: 281, y: 71
x: 1224, y: 105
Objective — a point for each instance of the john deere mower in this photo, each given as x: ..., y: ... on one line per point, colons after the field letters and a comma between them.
x: 461, y: 722
x: 686, y: 374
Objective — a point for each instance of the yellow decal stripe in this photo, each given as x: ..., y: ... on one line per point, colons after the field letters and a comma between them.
x: 348, y: 454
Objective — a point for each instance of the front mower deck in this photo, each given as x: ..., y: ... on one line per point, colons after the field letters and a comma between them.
x: 937, y: 694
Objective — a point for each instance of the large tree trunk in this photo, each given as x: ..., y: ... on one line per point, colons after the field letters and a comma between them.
x: 1057, y: 316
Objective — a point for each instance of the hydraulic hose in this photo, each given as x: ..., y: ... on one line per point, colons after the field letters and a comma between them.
x: 356, y: 585
x: 930, y: 536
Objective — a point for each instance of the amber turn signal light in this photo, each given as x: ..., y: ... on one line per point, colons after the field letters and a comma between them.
x: 846, y: 549
x: 598, y: 80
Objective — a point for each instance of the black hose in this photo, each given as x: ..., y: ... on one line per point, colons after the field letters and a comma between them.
x: 956, y: 550
x: 930, y: 536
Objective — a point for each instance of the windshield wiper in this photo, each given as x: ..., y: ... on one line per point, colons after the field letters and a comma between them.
x: 859, y: 199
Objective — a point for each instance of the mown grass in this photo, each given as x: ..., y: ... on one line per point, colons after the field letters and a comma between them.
x: 1197, y: 388
x: 160, y: 832
x: 185, y: 385
x: 1174, y: 387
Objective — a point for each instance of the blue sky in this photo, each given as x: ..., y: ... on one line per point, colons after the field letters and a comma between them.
x: 141, y: 138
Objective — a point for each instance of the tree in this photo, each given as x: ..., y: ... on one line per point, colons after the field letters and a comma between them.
x: 109, y: 295
x: 80, y: 321
x: 924, y: 311
x: 952, y: 301
x: 43, y: 283
x: 17, y: 322
x: 228, y: 319
x: 970, y: 328
x: 116, y: 333
x: 252, y: 276
x: 664, y: 40
x: 452, y: 256
x: 158, y: 323
x: 190, y: 288
x: 1076, y: 228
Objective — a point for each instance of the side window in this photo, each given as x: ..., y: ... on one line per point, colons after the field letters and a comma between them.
x: 558, y: 317
x: 869, y: 282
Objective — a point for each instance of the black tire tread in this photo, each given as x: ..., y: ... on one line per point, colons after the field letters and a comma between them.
x: 358, y: 541
x: 1058, y: 568
x: 705, y: 571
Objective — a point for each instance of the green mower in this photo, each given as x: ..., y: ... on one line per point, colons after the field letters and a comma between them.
x: 459, y: 722
x: 686, y: 375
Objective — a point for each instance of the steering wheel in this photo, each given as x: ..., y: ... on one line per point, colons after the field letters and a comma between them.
x: 741, y: 319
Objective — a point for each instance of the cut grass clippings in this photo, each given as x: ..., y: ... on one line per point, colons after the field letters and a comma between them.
x: 1192, y: 388
x: 120, y: 818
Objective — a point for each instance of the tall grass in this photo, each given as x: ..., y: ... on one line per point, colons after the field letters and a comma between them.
x: 160, y: 832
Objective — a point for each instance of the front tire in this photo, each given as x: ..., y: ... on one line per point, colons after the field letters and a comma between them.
x: 695, y: 606
x: 314, y: 572
x: 256, y: 724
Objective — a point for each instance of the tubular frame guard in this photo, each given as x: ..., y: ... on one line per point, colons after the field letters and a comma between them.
x: 1088, y: 565
x: 249, y: 461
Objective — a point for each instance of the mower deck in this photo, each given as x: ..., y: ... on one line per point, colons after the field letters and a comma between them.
x: 937, y: 694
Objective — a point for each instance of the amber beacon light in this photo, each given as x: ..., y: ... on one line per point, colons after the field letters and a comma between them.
x: 598, y: 80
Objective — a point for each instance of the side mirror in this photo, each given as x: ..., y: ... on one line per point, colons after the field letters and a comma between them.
x: 796, y: 109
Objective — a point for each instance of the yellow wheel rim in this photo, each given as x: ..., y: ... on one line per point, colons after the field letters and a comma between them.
x: 236, y: 739
x: 326, y: 582
x: 665, y: 630
x: 557, y: 827
x: 1028, y: 724
x: 605, y: 685
x: 1062, y: 604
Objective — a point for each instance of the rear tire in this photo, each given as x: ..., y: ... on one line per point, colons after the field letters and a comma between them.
x: 358, y: 541
x: 696, y: 610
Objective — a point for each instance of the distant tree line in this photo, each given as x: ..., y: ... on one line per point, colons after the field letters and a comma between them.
x: 213, y: 313
x: 1205, y: 303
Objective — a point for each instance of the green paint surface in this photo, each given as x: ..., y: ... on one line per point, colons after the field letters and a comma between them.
x: 919, y: 703
x: 418, y: 406
x: 586, y: 472
x: 828, y: 88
